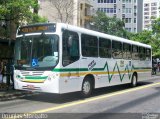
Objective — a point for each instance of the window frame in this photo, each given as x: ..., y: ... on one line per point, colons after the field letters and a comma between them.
x: 70, y: 61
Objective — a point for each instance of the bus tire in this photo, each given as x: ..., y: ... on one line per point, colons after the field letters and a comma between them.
x: 87, y: 87
x: 134, y: 80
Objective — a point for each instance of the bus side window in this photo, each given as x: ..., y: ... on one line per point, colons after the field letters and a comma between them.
x: 104, y: 48
x: 142, y: 55
x: 89, y: 45
x: 70, y: 47
x: 127, y: 51
x: 116, y: 49
x: 148, y: 54
x: 135, y: 54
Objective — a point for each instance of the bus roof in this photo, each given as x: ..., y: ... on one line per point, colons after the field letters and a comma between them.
x: 99, y: 34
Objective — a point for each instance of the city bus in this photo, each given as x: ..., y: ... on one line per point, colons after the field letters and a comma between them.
x: 61, y: 58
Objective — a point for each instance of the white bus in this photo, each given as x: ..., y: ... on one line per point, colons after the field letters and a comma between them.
x: 61, y: 58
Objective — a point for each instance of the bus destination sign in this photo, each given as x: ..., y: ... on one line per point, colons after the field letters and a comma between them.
x: 37, y: 28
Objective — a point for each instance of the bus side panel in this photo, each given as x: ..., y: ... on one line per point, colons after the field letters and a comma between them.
x: 107, y: 72
x: 70, y: 79
x: 95, y: 67
x: 143, y: 69
x: 116, y: 71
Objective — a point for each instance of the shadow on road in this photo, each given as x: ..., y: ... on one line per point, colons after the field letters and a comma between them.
x: 69, y: 97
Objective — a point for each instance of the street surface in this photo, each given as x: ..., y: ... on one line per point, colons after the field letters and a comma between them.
x: 111, y: 100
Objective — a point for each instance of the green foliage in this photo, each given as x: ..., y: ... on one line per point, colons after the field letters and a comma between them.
x: 17, y: 12
x: 16, y: 9
x: 156, y: 37
x: 155, y: 43
x: 150, y: 37
x: 35, y: 18
x: 20, y: 11
x: 143, y: 37
x: 156, y: 26
x: 109, y: 25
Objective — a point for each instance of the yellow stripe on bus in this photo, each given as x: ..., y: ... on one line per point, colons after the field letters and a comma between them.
x: 98, y: 73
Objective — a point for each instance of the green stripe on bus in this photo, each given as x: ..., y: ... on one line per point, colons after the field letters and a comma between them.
x: 70, y: 69
x: 94, y: 69
x: 36, y: 77
x: 106, y: 66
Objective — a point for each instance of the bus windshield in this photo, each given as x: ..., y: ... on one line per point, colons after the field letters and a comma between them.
x: 36, y: 51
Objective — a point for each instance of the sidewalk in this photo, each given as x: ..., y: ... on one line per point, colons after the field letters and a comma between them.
x: 158, y: 74
x: 10, y: 94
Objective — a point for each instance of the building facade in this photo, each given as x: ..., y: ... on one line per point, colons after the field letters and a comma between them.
x: 151, y: 12
x: 74, y: 12
x: 127, y: 10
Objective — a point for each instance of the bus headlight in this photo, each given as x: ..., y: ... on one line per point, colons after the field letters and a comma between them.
x: 49, y: 78
x: 19, y: 77
x: 52, y: 76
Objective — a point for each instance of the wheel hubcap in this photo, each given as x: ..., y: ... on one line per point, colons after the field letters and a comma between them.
x: 134, y: 81
x: 86, y: 87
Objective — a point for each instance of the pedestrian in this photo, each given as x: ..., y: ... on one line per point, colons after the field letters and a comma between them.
x: 154, y: 67
x: 12, y: 73
x: 9, y: 73
x: 1, y: 68
x: 158, y: 66
x: 6, y: 73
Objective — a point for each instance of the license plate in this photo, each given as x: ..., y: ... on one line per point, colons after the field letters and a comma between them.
x: 30, y: 86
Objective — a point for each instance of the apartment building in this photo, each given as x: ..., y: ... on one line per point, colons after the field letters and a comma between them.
x: 74, y: 12
x: 150, y: 12
x: 130, y: 11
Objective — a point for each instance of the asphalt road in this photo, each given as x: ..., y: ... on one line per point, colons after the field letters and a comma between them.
x: 111, y: 102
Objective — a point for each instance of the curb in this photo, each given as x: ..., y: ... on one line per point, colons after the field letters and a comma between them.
x: 3, y: 86
x: 9, y: 94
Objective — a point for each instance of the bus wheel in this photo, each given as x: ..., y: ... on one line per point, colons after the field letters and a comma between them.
x: 134, y: 81
x: 87, y: 87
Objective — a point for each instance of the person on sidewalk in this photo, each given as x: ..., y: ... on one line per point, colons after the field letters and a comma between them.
x: 1, y: 69
x: 12, y: 73
x: 158, y: 66
x: 9, y: 73
x: 154, y: 67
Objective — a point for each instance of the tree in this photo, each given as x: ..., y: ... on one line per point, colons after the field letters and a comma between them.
x: 64, y: 10
x: 143, y: 37
x: 156, y: 26
x: 105, y: 24
x: 155, y: 43
x: 15, y: 12
x: 156, y: 35
x: 149, y: 38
